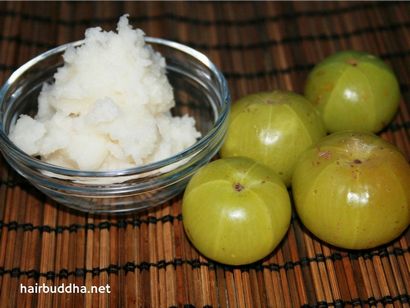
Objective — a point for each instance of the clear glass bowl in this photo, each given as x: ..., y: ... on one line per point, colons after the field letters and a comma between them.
x: 200, y: 91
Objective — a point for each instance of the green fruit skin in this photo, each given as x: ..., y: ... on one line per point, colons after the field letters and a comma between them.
x: 234, y: 224
x: 272, y: 128
x: 352, y: 190
x: 353, y: 91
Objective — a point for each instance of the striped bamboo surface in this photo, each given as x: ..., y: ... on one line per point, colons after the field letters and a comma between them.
x: 145, y: 258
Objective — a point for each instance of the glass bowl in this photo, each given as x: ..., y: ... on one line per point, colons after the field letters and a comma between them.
x: 200, y: 91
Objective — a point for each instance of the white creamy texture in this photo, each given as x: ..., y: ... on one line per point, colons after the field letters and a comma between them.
x: 109, y: 107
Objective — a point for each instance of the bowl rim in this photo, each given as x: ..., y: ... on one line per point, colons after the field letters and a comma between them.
x: 199, y: 144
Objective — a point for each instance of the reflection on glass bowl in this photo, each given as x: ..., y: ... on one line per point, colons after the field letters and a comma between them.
x: 200, y: 91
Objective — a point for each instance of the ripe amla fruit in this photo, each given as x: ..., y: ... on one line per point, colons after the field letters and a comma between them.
x: 352, y: 190
x: 353, y: 91
x: 272, y: 128
x: 235, y: 211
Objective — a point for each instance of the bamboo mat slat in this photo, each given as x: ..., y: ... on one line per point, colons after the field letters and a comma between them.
x: 145, y: 257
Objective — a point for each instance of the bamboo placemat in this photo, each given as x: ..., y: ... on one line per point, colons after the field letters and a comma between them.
x: 145, y: 258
